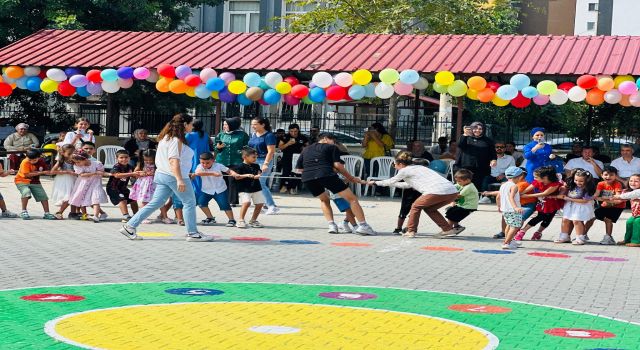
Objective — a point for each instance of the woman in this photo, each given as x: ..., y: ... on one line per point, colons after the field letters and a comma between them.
x: 292, y: 143
x: 229, y: 144
x: 20, y: 141
x: 377, y: 143
x: 82, y: 134
x: 173, y: 164
x: 476, y: 152
x: 199, y: 142
x: 264, y: 141
x: 139, y: 141
x: 536, y: 152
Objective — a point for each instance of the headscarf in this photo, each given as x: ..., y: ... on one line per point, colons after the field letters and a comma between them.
x: 22, y: 126
x: 535, y: 130
x: 233, y: 123
x: 480, y: 124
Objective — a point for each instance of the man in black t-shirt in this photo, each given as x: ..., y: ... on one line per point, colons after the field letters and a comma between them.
x: 291, y: 143
x: 320, y: 164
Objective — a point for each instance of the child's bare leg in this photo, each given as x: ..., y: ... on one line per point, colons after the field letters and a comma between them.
x: 96, y: 210
x: 608, y: 226
x: 74, y: 209
x: 229, y: 214
x: 243, y: 210
x: 45, y: 206
x: 503, y: 224
x: 134, y: 207
x: 352, y: 219
x: 207, y: 212
x: 179, y: 216
x: 511, y: 232
x: 83, y: 210
x: 325, y: 205
x: 24, y: 202
x: 63, y: 207
x: 579, y: 227
x: 566, y: 227
x: 123, y: 207
x: 3, y: 205
x: 256, y: 212
x: 589, y: 224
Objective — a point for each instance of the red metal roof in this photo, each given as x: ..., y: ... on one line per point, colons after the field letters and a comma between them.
x: 462, y: 54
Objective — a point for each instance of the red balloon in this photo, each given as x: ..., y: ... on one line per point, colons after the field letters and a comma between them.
x: 290, y: 100
x: 520, y: 101
x: 566, y: 86
x: 293, y: 81
x: 299, y: 91
x: 5, y: 89
x: 192, y: 80
x: 587, y: 81
x: 66, y: 89
x: 42, y: 74
x: 261, y: 101
x: 493, y: 85
x: 167, y: 70
x: 336, y: 93
x: 94, y: 76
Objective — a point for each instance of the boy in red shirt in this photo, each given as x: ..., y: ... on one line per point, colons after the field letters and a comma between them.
x: 609, y: 210
x: 27, y: 181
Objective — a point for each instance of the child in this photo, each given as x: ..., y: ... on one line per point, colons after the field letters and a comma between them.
x: 247, y: 176
x: 64, y: 181
x: 213, y: 187
x: 547, y: 186
x: 90, y: 148
x: 117, y: 185
x: 3, y: 206
x: 28, y: 182
x: 409, y: 195
x: 578, y: 206
x: 349, y: 218
x: 632, y: 233
x: 144, y: 186
x: 88, y: 192
x: 466, y: 203
x: 528, y: 204
x: 82, y: 134
x: 609, y: 210
x: 509, y: 204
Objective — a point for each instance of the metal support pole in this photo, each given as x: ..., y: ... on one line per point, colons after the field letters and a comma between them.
x: 218, y: 116
x: 416, y: 105
x: 590, y: 114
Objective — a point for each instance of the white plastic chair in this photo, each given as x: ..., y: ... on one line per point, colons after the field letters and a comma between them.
x: 355, y: 166
x: 385, y: 171
x: 109, y: 152
x: 273, y: 173
x: 294, y: 161
x: 449, y: 171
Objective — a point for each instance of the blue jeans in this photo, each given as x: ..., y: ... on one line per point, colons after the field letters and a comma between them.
x: 266, y: 191
x: 222, y: 199
x: 166, y: 185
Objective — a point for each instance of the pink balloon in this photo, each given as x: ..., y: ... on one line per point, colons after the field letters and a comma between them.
x: 290, y: 100
x: 402, y: 88
x: 541, y: 100
x: 227, y: 77
x: 141, y: 73
x: 628, y: 88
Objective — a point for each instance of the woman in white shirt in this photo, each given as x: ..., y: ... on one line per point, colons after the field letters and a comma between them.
x: 173, y: 164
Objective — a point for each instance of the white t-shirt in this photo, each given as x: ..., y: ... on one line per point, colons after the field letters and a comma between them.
x: 212, y: 184
x: 626, y: 169
x: 581, y: 163
x: 505, y: 204
x: 503, y: 163
x: 72, y: 134
x: 170, y: 149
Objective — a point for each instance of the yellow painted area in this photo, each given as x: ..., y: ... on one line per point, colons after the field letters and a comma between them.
x: 228, y: 326
x: 155, y: 234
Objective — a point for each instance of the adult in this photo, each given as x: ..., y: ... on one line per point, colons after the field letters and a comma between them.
x: 436, y: 192
x: 476, y: 151
x: 20, y: 141
x: 536, y: 152
x: 586, y: 162
x: 576, y: 151
x: 513, y: 151
x: 627, y: 164
x: 229, y: 144
x: 498, y: 167
x: 264, y: 142
x: 313, y: 134
x: 173, y: 164
x: 80, y: 135
x: 198, y: 140
x: 605, y: 159
x: 418, y: 150
x: 291, y: 143
x: 440, y: 148
x: 377, y: 143
x: 319, y: 163
x: 140, y: 141
x: 452, y: 152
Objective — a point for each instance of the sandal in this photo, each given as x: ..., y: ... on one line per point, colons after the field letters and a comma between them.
x: 181, y: 222
x: 59, y: 216
x: 536, y: 236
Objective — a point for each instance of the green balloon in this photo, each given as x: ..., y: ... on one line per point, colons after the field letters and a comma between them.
x: 307, y: 100
x: 439, y: 88
x: 457, y: 88
x: 389, y: 76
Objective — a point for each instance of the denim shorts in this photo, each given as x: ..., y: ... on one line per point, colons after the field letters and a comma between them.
x: 222, y: 199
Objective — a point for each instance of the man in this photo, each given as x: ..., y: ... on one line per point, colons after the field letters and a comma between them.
x: 452, y: 152
x: 511, y: 150
x: 417, y: 150
x: 599, y: 156
x: 319, y: 163
x: 139, y: 141
x: 627, y: 164
x: 313, y: 134
x: 440, y: 148
x: 576, y: 151
x: 586, y: 162
x: 498, y: 167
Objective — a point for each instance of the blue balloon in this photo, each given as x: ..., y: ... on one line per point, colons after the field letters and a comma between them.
x: 409, y: 76
x: 226, y: 96
x: 244, y: 100
x: 21, y: 82
x: 252, y: 79
x: 530, y: 92
x: 357, y: 92
x: 271, y: 96
x: 507, y: 92
x: 438, y: 166
x: 125, y: 73
x: 202, y: 92
x: 520, y: 81
x: 370, y: 90
x: 638, y: 83
x: 82, y: 91
x: 215, y: 84
x: 72, y: 71
x: 317, y: 94
x: 263, y: 85
x: 33, y: 84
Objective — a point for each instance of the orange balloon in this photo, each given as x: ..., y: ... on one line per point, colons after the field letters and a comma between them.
x: 14, y: 72
x: 485, y: 95
x: 162, y: 84
x: 625, y: 101
x: 476, y: 83
x: 595, y: 97
x: 178, y: 86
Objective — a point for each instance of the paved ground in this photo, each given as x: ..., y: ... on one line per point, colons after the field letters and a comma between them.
x: 592, y: 278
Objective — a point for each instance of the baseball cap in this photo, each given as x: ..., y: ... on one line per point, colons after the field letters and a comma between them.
x: 512, y: 172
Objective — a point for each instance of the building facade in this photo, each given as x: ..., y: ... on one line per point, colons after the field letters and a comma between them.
x: 607, y: 17
x: 547, y: 17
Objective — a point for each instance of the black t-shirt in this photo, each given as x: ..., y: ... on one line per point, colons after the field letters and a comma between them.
x: 119, y: 184
x: 317, y: 161
x: 301, y: 140
x: 248, y: 185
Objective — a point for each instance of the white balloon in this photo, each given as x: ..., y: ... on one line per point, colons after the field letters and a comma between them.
x: 613, y: 96
x: 343, y: 79
x: 559, y: 97
x: 125, y: 83
x: 153, y: 76
x: 207, y: 73
x: 322, y: 79
x: 384, y: 90
x: 635, y: 99
x: 31, y: 71
x: 272, y: 79
x: 422, y: 84
x: 110, y: 86
x: 577, y: 94
x: 56, y: 74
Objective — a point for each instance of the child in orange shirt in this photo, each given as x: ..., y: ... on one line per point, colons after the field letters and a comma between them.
x: 27, y: 181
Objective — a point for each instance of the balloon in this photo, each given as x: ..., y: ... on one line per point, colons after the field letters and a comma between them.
x: 336, y: 93
x: 190, y: 91
x: 292, y: 101
x: 215, y: 95
x: 21, y: 82
x: 587, y: 81
x: 153, y: 76
x: 409, y: 76
x: 421, y: 84
x: 541, y: 100
x: 243, y: 100
x: 227, y: 77
x: 307, y: 100
x: 166, y: 70
x: 293, y: 81
x: 263, y: 85
x: 357, y: 92
x: 389, y: 75
x: 477, y: 83
x: 529, y: 92
x: 472, y: 94
x: 403, y: 89
x: 65, y: 89
x: 628, y: 87
x: 207, y: 73
x: 177, y: 86
x: 520, y: 81
x: 141, y: 73
x: 162, y: 84
x: 109, y: 74
x: 5, y: 89
x: 272, y: 79
x: 78, y: 80
x: 49, y: 86
x: 183, y: 71
x: 343, y: 79
x: 620, y: 79
x: 322, y: 79
x: 317, y: 94
x: 624, y: 101
x: 254, y: 93
x: 439, y: 88
x: 125, y: 83
x: 14, y: 72
x: 547, y: 87
x: 559, y: 97
x: 638, y: 83
x: 125, y: 73
x: 215, y: 84
x: 237, y: 87
x: 299, y: 91
x: 110, y: 86
x: 499, y: 102
x: 192, y: 80
x: 520, y: 101
x: 252, y: 79
x: 31, y: 71
x: 271, y: 96
x: 82, y: 91
x: 634, y: 99
x: 493, y: 85
x: 56, y: 74
x: 226, y: 96
x: 595, y: 97
x: 283, y: 88
x: 72, y: 71
x: 577, y: 94
x: 33, y: 83
x: 566, y: 86
x: 202, y: 92
x: 445, y: 78
x: 612, y: 96
x: 605, y: 83
x: 94, y: 88
x: 458, y: 88
x: 362, y: 77
x: 384, y: 90
x: 507, y: 92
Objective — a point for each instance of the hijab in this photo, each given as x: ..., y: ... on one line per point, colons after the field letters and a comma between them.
x: 480, y: 124
x: 233, y: 123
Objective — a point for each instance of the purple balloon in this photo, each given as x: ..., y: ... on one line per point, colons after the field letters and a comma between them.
x: 312, y: 85
x: 182, y: 71
x: 226, y: 96
x: 78, y: 80
x: 94, y: 88
x: 125, y: 72
x: 72, y: 71
x: 227, y: 77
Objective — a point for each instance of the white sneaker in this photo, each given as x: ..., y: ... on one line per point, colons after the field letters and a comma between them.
x: 344, y: 226
x: 198, y: 237
x: 8, y: 214
x: 272, y: 210
x: 484, y: 200
x: 130, y: 232
x: 562, y: 238
x: 365, y: 230
x: 513, y: 245
x: 241, y: 224
x: 333, y: 228
x: 607, y: 240
x: 579, y: 240
x: 103, y: 216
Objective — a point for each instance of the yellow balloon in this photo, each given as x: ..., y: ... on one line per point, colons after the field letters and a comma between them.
x: 191, y: 91
x: 445, y: 78
x: 237, y: 87
x: 362, y: 77
x: 499, y: 102
x: 215, y: 95
x: 472, y: 94
x: 49, y: 86
x: 622, y: 78
x: 283, y: 88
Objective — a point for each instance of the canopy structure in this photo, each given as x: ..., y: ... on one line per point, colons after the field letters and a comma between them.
x: 427, y: 54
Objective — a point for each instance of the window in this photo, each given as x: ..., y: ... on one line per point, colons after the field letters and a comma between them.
x: 591, y: 25
x: 593, y: 6
x: 242, y: 16
x: 293, y: 8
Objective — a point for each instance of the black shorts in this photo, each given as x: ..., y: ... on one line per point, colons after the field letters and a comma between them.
x: 612, y: 214
x: 117, y: 196
x: 457, y: 214
x: 331, y: 183
x: 409, y: 195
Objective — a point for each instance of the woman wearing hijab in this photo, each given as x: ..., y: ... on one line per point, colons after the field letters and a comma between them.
x: 199, y: 141
x: 21, y: 141
x: 536, y: 152
x: 229, y: 144
x: 476, y: 152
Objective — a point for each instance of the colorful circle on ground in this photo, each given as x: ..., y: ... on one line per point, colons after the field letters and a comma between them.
x: 52, y: 298
x: 350, y: 244
x: 298, y: 241
x: 194, y: 291
x: 283, y: 316
x: 479, y: 309
x: 251, y: 239
x: 442, y: 249
x: 155, y: 234
x: 605, y: 258
x: 492, y: 251
x: 549, y: 255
